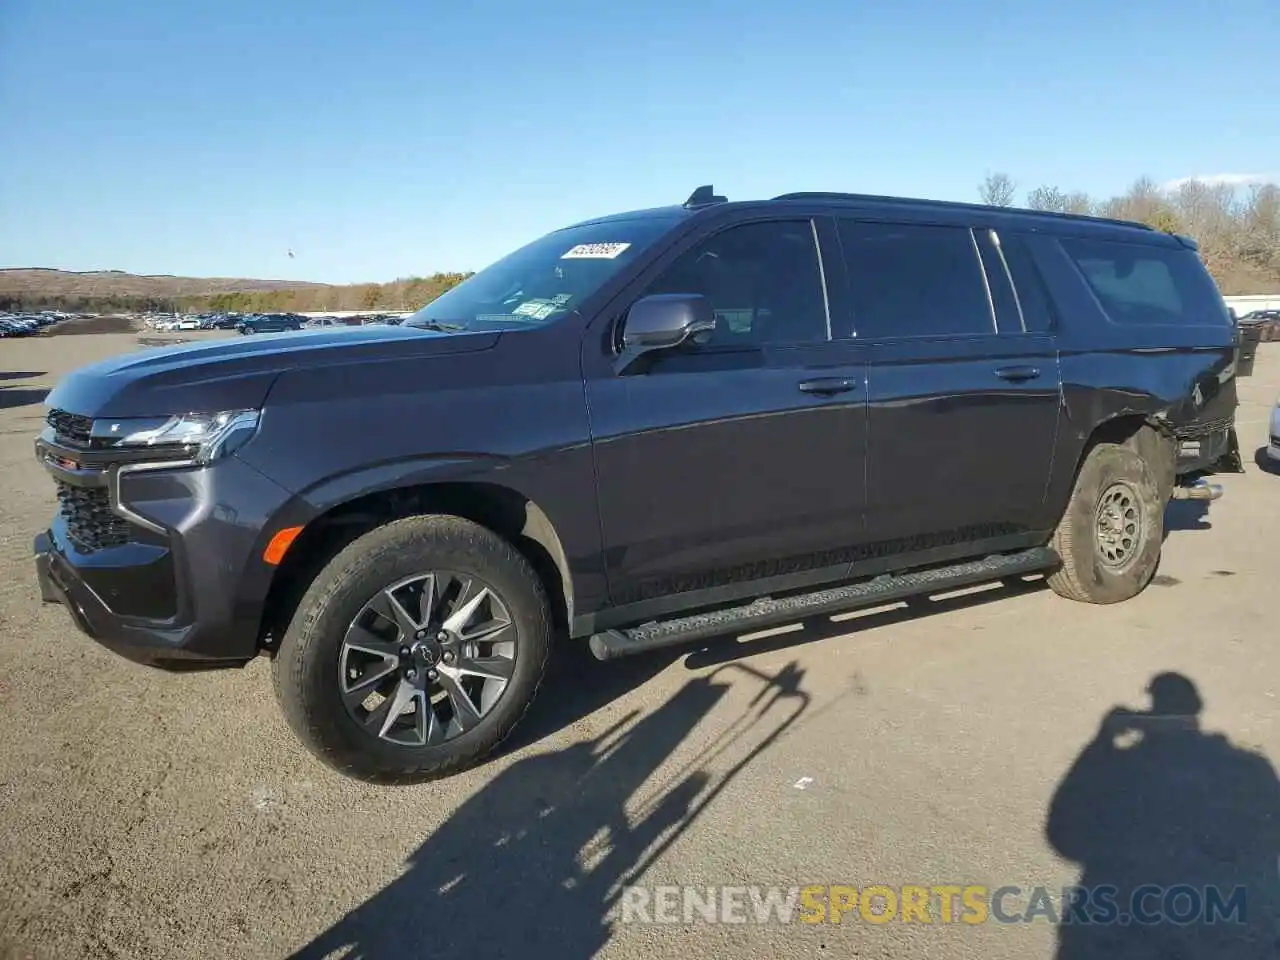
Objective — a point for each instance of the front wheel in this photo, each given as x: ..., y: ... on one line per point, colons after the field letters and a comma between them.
x: 415, y: 652
x: 1111, y: 534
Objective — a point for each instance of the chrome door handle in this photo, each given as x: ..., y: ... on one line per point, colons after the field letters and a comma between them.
x: 1017, y: 374
x: 828, y: 385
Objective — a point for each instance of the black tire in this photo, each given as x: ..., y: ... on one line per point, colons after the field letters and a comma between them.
x: 306, y: 667
x: 1090, y: 571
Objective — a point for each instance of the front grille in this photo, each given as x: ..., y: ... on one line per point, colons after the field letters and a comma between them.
x: 70, y: 428
x: 90, y: 522
x: 1203, y: 428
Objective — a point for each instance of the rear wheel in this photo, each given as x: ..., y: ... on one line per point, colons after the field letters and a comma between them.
x: 415, y: 652
x: 1111, y: 534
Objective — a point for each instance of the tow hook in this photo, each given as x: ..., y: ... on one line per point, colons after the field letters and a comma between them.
x: 1198, y: 490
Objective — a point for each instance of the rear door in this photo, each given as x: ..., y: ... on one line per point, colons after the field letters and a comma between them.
x: 743, y: 458
x: 963, y: 394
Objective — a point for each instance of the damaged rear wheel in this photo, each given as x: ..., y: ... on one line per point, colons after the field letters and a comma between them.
x: 1112, y: 532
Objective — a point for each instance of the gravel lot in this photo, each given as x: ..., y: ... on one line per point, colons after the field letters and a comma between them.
x: 149, y: 815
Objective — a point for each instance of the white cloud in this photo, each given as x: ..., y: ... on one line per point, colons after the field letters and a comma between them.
x: 1224, y: 179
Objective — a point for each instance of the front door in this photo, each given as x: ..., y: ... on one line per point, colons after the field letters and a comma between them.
x: 725, y: 463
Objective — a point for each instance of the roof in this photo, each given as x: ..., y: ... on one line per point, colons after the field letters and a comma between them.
x: 699, y: 203
x: 672, y: 213
x: 923, y: 204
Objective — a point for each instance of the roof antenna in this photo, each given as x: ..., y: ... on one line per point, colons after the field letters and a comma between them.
x: 703, y: 196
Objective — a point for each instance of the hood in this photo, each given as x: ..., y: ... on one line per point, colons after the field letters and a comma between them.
x: 235, y: 374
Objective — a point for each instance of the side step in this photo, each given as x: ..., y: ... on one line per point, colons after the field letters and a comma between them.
x: 766, y: 612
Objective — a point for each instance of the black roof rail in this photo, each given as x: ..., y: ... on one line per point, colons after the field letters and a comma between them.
x: 958, y: 205
x: 704, y: 196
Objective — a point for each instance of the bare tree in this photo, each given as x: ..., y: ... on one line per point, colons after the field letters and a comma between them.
x: 1047, y: 198
x: 1077, y: 202
x: 997, y: 189
x: 1237, y: 228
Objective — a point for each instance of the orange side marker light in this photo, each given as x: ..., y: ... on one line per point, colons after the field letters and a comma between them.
x: 280, y: 544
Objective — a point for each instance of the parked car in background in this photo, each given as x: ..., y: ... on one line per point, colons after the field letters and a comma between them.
x: 1273, y: 438
x: 1266, y: 323
x: 21, y: 326
x: 269, y: 323
x: 187, y: 323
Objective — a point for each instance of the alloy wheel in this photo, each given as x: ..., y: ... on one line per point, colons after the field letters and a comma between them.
x: 427, y: 658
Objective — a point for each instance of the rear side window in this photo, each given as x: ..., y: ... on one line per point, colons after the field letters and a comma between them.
x: 914, y: 280
x: 1138, y: 284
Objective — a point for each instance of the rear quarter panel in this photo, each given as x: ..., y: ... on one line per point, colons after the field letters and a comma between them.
x: 1175, y: 374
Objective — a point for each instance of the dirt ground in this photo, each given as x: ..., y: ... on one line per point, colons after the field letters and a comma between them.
x: 150, y: 815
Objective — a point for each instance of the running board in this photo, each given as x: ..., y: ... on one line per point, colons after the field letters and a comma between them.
x: 767, y: 612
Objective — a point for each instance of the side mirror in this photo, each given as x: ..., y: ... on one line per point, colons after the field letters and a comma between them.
x: 662, y: 322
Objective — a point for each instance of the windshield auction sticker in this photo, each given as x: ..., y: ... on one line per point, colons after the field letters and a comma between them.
x: 536, y: 309
x: 595, y: 251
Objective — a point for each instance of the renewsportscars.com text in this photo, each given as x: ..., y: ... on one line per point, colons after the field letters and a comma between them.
x: 970, y: 904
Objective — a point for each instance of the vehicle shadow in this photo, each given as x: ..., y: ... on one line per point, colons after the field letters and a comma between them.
x: 729, y: 647
x: 577, y: 685
x: 20, y: 397
x: 536, y: 862
x: 1265, y: 463
x: 1181, y: 516
x: 1156, y: 800
x: 20, y: 374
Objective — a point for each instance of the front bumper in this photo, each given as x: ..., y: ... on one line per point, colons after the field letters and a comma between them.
x: 185, y: 592
x: 154, y: 644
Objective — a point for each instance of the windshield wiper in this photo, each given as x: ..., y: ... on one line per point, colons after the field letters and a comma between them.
x: 440, y: 326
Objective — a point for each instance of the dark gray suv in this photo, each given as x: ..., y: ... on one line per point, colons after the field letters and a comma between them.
x: 639, y: 431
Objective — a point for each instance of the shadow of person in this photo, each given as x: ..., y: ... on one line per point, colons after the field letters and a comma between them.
x: 1156, y: 802
x: 533, y: 864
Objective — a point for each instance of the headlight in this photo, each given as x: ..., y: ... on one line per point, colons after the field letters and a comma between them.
x: 201, y: 437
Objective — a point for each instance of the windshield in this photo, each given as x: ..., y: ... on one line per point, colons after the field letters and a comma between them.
x: 543, y: 280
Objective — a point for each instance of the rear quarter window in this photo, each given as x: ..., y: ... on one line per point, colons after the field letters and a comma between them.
x: 1142, y: 285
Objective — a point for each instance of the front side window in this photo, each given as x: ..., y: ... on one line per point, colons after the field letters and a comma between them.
x: 915, y: 280
x: 543, y: 280
x: 763, y: 279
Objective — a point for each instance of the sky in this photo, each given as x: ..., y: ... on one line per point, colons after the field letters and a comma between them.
x: 390, y: 138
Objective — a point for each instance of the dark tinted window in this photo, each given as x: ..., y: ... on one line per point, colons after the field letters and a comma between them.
x: 910, y: 280
x: 1141, y: 284
x: 1033, y: 298
x: 763, y: 281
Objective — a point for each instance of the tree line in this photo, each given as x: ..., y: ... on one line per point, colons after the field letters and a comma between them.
x: 407, y: 293
x: 1236, y: 226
